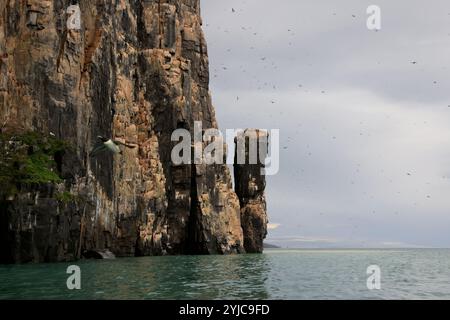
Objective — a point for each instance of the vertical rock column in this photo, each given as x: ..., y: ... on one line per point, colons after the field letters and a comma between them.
x: 251, y: 152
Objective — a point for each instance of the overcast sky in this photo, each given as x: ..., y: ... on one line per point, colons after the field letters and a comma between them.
x: 364, y: 115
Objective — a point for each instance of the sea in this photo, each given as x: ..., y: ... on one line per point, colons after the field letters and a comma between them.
x: 277, y: 274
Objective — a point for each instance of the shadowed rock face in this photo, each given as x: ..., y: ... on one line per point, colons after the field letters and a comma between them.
x: 135, y: 71
x: 250, y: 186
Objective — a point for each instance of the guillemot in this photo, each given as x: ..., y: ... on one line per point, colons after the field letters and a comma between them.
x: 108, y: 145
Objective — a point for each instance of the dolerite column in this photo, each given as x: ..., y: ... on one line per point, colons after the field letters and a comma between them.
x: 250, y: 155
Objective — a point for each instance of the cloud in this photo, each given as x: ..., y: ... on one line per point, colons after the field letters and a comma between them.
x: 395, y: 244
x: 304, y: 239
x: 273, y: 226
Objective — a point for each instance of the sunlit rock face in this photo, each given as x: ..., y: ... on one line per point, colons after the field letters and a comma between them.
x: 135, y: 71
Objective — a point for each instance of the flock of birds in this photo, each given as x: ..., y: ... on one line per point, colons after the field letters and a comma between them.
x: 113, y: 146
x: 268, y: 64
x: 272, y: 64
x: 109, y: 145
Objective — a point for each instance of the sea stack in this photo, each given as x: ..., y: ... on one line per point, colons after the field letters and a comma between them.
x: 250, y: 182
x: 132, y: 70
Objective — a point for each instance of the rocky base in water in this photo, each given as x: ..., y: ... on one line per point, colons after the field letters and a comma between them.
x: 134, y: 71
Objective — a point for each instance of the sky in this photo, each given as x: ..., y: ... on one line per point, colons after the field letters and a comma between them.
x: 364, y: 115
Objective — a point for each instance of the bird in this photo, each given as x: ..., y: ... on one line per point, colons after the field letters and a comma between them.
x: 108, y: 145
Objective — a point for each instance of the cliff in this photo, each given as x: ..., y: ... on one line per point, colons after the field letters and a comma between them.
x: 134, y: 71
x: 250, y: 187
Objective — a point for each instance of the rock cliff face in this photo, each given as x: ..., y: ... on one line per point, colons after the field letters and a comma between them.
x: 250, y: 187
x: 135, y: 71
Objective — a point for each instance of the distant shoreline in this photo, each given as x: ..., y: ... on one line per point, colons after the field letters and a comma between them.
x: 274, y: 247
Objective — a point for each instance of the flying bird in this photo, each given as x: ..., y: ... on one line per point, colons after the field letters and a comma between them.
x: 108, y: 145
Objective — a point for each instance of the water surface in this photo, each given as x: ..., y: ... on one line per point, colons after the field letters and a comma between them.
x: 276, y: 274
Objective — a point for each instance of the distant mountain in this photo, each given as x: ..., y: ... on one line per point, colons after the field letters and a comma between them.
x: 270, y: 246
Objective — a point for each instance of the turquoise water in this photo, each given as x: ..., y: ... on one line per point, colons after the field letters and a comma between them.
x: 276, y: 274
